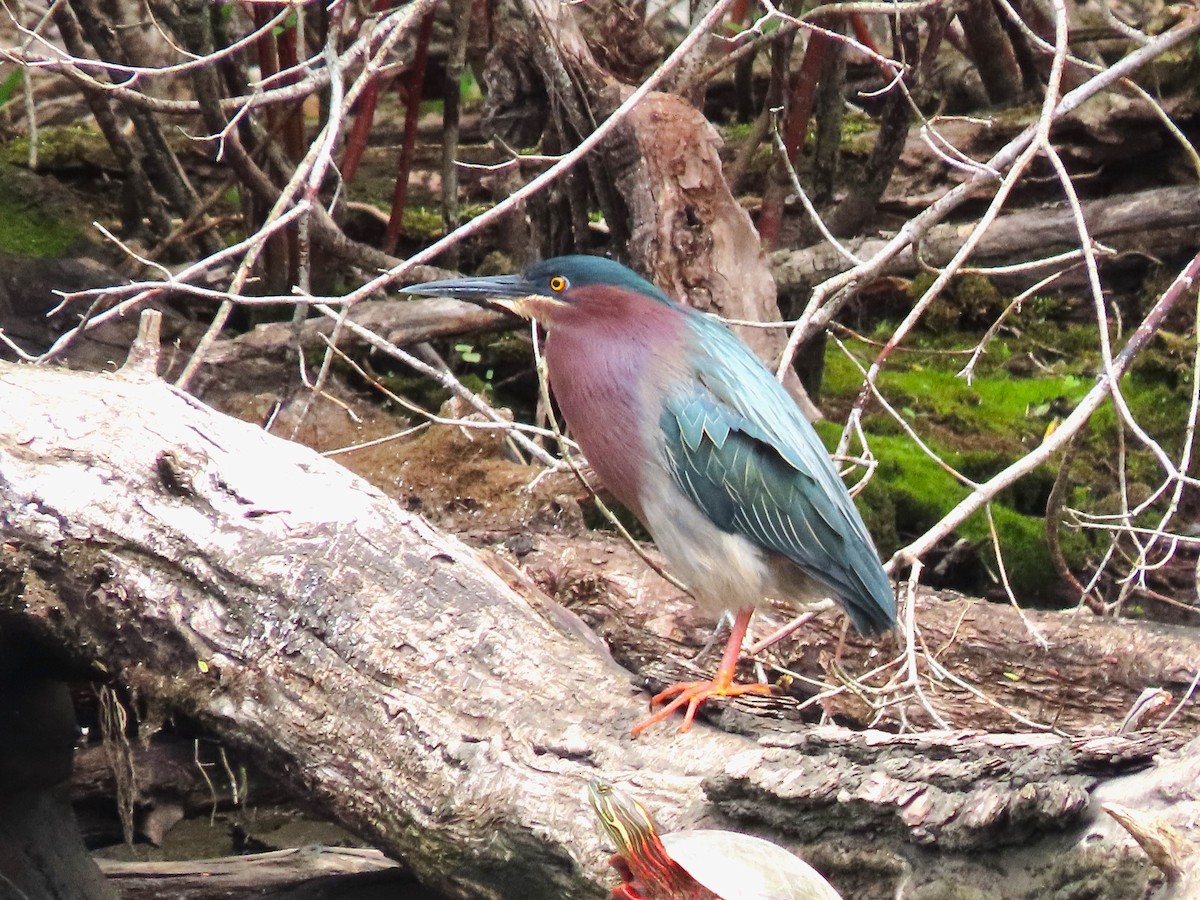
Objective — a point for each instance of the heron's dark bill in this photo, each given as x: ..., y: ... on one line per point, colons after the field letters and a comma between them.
x: 476, y: 290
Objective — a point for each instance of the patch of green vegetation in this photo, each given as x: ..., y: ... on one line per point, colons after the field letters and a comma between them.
x: 910, y: 493
x: 858, y: 133
x: 469, y: 91
x: 423, y: 222
x: 61, y: 147
x: 858, y: 123
x: 31, y: 231
x: 1161, y: 409
x: 11, y: 84
x: 993, y: 408
x: 978, y: 429
x: 735, y: 132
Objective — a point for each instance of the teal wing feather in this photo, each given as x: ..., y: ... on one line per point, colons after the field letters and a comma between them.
x: 739, y: 447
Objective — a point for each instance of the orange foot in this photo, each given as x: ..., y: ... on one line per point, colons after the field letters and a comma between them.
x: 693, y: 693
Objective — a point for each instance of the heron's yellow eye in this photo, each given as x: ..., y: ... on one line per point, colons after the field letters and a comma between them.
x: 558, y: 284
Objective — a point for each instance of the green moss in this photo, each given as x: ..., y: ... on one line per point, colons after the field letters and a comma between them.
x: 736, y: 131
x: 61, y: 147
x: 995, y: 407
x: 423, y: 223
x: 858, y: 134
x: 31, y: 231
x: 979, y: 429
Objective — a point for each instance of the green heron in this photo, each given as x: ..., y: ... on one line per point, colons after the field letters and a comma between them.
x: 688, y: 429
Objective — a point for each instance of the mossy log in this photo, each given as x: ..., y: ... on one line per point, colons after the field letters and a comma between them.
x: 382, y: 670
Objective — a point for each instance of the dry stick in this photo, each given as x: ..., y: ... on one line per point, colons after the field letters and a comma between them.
x: 1038, y: 142
x: 830, y: 295
x: 1125, y: 417
x: 30, y: 106
x: 1054, y: 520
x: 555, y: 171
x: 321, y: 156
x: 1036, y: 40
x: 1182, y: 701
x: 790, y: 169
x: 1175, y: 475
x: 940, y: 671
x: 913, y: 676
x: 75, y: 68
x: 1186, y: 280
x: 908, y: 430
x: 1124, y: 527
x: 456, y: 62
x: 1033, y: 630
x: 139, y: 292
x: 1173, y: 472
x: 968, y: 370
x: 171, y: 282
x: 1185, y: 454
x: 480, y: 222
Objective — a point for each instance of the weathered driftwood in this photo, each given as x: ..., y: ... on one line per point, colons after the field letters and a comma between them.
x: 233, y: 877
x: 1154, y: 222
x: 380, y: 668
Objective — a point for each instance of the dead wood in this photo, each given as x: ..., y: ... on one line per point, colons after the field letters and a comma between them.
x: 380, y: 669
x: 1147, y: 806
x: 991, y: 51
x: 1153, y: 222
x: 1078, y: 674
x: 250, y: 876
x: 687, y: 227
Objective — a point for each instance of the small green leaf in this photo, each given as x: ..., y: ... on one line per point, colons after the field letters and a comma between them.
x: 468, y: 353
x: 10, y: 85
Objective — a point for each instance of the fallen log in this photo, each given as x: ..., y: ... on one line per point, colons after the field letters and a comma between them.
x: 234, y: 877
x: 1154, y: 222
x: 383, y: 672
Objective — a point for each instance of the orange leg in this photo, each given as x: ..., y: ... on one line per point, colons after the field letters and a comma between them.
x: 693, y: 693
